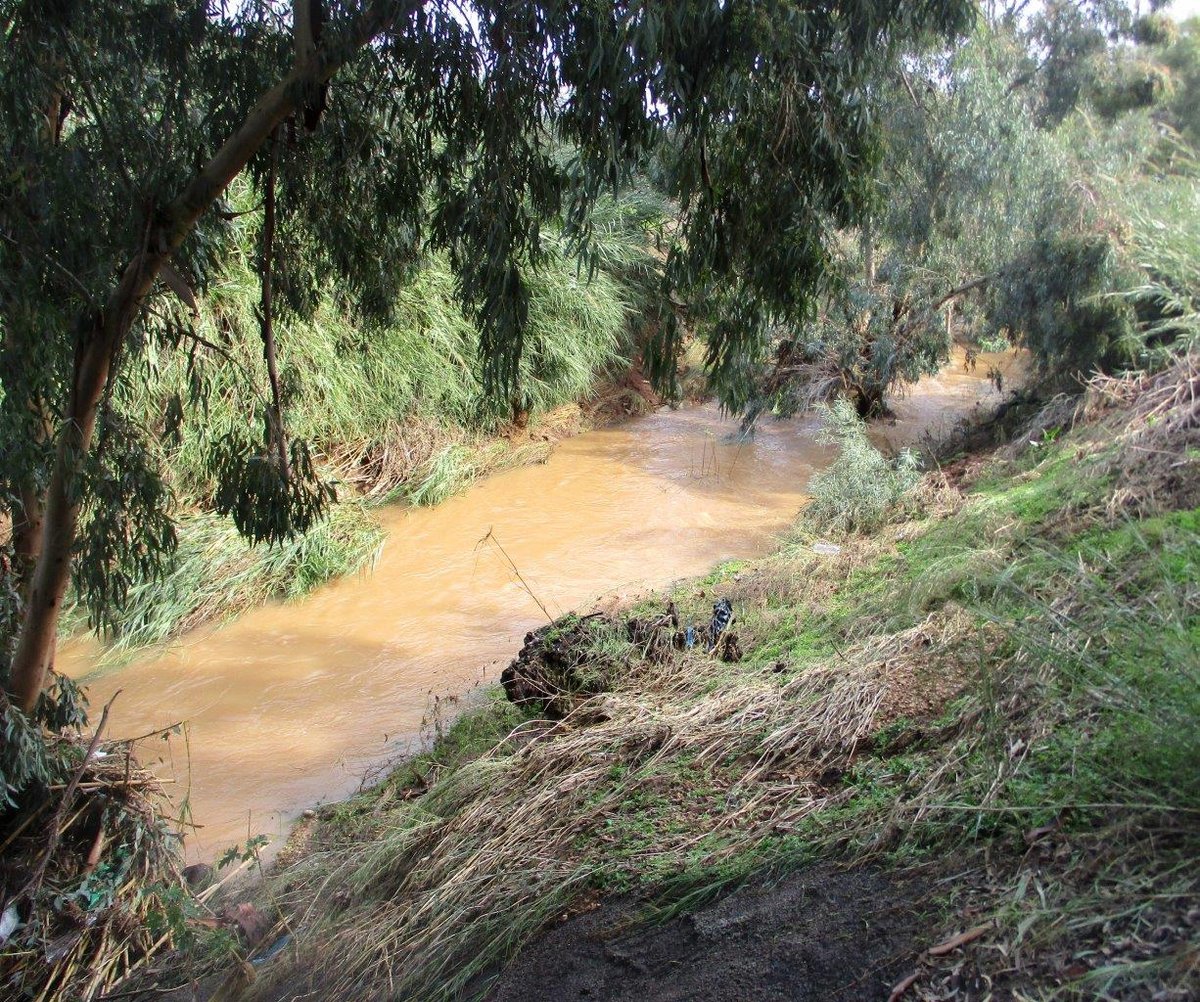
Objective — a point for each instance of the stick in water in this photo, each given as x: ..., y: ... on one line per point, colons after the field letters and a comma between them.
x: 491, y: 538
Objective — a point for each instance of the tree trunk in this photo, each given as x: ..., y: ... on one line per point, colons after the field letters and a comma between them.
x: 101, y: 336
x: 27, y: 515
x: 35, y: 649
x: 28, y: 507
x: 266, y: 314
x: 868, y: 251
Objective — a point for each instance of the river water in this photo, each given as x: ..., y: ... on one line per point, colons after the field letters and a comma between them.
x: 291, y: 704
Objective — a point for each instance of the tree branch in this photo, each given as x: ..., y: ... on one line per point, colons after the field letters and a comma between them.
x: 102, y: 332
x: 266, y: 318
x: 975, y: 283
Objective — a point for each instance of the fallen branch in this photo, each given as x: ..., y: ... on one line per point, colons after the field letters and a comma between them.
x: 962, y: 939
x: 903, y: 985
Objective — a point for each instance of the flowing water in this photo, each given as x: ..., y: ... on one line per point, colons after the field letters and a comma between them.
x: 292, y: 703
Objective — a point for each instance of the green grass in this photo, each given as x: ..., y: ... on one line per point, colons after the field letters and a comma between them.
x: 357, y: 393
x: 215, y: 574
x: 397, y: 413
x: 1011, y: 659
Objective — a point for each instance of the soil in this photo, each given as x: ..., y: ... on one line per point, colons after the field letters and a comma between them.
x: 822, y: 935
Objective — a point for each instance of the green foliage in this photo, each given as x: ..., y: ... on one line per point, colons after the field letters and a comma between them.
x: 1155, y: 29
x: 215, y: 573
x: 759, y: 203
x: 1132, y: 84
x: 1183, y: 60
x: 442, y: 475
x: 968, y: 176
x: 361, y: 385
x: 855, y: 492
x: 28, y: 761
x: 1018, y: 173
x: 1055, y: 299
x: 445, y: 144
x: 1166, y: 236
x: 873, y: 338
x: 1067, y: 44
x: 267, y: 501
x: 238, y: 854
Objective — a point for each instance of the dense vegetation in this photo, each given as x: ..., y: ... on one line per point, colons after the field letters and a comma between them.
x: 264, y: 266
x: 1000, y: 218
x: 399, y: 413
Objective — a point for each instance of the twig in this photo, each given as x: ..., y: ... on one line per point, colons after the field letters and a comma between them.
x: 29, y: 819
x: 1061, y: 807
x: 151, y: 734
x: 491, y: 538
x: 962, y: 939
x: 902, y: 986
x: 131, y: 782
x: 266, y: 317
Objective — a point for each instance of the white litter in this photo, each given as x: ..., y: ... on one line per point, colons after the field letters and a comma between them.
x: 8, y: 923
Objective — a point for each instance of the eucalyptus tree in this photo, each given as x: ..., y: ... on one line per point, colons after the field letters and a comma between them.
x: 372, y: 131
x: 998, y: 216
x: 965, y: 177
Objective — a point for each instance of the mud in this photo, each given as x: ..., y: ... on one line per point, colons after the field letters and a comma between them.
x: 822, y: 935
x: 563, y: 664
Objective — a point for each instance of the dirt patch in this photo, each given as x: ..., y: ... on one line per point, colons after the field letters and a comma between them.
x: 822, y: 935
x: 560, y: 665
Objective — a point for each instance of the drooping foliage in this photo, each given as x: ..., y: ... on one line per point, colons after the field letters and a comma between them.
x: 1020, y: 172
x: 1055, y: 296
x: 855, y: 492
x: 373, y: 135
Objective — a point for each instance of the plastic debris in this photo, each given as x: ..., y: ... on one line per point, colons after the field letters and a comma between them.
x: 272, y: 950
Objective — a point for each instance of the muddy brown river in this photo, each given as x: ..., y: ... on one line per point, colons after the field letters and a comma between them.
x: 292, y: 704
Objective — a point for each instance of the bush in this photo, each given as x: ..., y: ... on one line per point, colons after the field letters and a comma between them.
x: 856, y: 491
x: 1059, y: 300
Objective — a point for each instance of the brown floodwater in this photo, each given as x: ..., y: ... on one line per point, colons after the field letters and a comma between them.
x: 293, y: 703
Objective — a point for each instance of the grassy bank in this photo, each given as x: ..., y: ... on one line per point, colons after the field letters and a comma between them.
x: 1000, y: 683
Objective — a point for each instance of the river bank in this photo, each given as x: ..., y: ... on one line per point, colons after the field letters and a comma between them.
x: 293, y: 703
x: 992, y: 700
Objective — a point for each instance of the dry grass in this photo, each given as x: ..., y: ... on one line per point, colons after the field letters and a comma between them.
x: 1003, y: 676
x: 1154, y: 419
x: 447, y: 885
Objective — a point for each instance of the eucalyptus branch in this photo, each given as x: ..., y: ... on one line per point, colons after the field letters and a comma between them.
x: 266, y: 318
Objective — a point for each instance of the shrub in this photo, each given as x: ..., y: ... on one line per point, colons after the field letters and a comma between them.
x: 1058, y: 298
x: 855, y: 492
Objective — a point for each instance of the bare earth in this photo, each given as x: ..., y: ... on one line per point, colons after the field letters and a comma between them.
x: 822, y: 935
